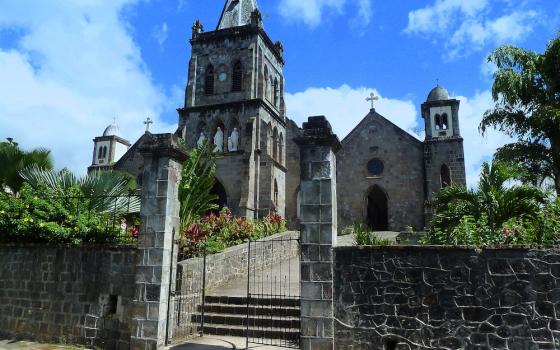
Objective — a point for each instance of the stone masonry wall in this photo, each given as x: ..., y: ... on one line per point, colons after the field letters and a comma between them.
x: 446, y: 298
x: 66, y: 294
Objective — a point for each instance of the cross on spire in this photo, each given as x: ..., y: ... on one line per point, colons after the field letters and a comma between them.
x: 147, y: 123
x: 372, y: 98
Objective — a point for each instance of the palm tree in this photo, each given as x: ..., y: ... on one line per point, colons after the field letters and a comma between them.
x: 494, y: 200
x: 105, y: 190
x: 13, y: 160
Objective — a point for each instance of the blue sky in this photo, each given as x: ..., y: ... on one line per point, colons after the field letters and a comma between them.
x: 68, y: 67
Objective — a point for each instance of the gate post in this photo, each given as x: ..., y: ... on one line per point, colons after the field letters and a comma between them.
x: 157, y: 261
x: 318, y: 146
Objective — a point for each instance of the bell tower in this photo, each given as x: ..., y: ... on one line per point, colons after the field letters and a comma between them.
x: 235, y: 99
x: 444, y: 160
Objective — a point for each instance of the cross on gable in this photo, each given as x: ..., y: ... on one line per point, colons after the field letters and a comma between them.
x: 147, y: 123
x: 372, y: 98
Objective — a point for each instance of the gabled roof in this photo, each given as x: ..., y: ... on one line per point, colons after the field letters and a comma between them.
x: 236, y: 13
x: 373, y: 115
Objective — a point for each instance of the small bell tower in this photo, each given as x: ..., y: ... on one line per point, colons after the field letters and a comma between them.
x: 444, y: 159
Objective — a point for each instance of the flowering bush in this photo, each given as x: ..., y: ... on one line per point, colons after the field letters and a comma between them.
x: 214, y: 233
x: 40, y: 216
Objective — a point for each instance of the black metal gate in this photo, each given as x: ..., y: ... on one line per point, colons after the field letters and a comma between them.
x: 189, y: 296
x: 273, y: 292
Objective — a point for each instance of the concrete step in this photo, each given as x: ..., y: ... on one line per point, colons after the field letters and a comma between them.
x: 283, y: 301
x: 288, y: 334
x: 274, y: 311
x: 254, y: 322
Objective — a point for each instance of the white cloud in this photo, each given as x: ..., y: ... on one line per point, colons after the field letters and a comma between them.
x: 312, y: 12
x: 160, y: 33
x: 468, y: 26
x: 74, y: 70
x: 345, y: 107
x: 477, y: 148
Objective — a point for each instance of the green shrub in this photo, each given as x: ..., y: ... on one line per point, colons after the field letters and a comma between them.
x: 540, y: 229
x: 364, y: 236
x: 41, y: 216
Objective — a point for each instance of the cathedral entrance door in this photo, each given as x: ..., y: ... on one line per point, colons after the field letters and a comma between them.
x: 377, y: 209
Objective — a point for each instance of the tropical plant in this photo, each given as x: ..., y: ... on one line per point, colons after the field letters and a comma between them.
x: 465, y: 216
x: 197, y: 180
x: 364, y: 236
x: 13, y: 160
x: 526, y: 92
x: 40, y: 215
x: 105, y: 190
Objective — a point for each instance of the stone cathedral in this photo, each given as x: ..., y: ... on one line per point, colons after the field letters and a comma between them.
x: 235, y: 98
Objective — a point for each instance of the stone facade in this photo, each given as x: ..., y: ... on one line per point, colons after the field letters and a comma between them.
x: 62, y: 294
x: 236, y: 81
x: 446, y: 298
x: 402, y: 179
x: 387, y: 178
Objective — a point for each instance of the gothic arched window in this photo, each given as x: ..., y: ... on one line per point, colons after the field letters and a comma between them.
x: 105, y: 152
x: 445, y: 176
x: 444, y: 122
x: 266, y: 86
x: 237, y: 77
x: 209, y: 80
x: 275, y: 144
x: 438, y: 122
x: 100, y: 153
x: 281, y: 149
x: 275, y: 193
x: 276, y: 92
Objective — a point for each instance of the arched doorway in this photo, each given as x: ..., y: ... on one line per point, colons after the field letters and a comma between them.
x: 377, y: 217
x: 220, y: 191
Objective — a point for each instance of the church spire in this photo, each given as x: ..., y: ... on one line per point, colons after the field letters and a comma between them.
x: 237, y: 13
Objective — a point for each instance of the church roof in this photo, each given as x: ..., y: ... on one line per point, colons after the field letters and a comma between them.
x: 438, y: 94
x: 373, y: 115
x: 237, y: 13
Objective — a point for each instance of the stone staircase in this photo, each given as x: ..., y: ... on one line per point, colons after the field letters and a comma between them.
x: 277, y: 320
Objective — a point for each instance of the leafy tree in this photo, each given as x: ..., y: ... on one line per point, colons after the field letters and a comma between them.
x: 13, y: 160
x: 526, y: 93
x: 533, y: 159
x: 493, y: 204
x: 105, y: 190
x: 197, y: 180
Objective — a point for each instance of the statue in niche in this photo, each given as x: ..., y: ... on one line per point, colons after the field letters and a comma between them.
x: 201, y: 140
x: 229, y: 144
x: 219, y: 140
x: 234, y: 140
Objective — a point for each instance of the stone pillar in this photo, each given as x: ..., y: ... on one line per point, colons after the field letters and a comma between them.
x: 318, y: 232
x: 157, y: 260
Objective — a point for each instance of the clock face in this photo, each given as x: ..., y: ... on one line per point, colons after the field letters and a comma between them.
x: 222, y: 76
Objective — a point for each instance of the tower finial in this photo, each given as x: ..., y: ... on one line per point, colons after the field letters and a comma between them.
x: 437, y: 82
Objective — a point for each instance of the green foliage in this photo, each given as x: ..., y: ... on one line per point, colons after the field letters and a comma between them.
x: 526, y: 92
x: 493, y: 214
x: 364, y: 236
x: 197, y: 180
x: 13, y: 160
x: 533, y: 159
x: 218, y: 232
x: 40, y: 215
x: 106, y: 190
